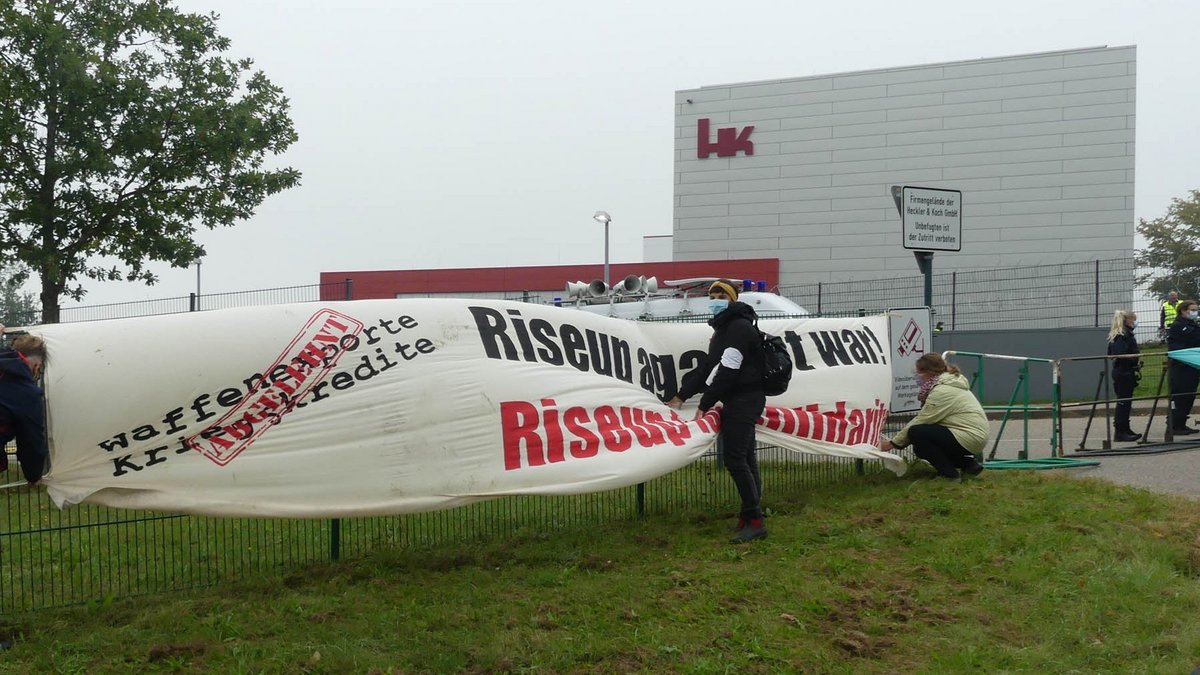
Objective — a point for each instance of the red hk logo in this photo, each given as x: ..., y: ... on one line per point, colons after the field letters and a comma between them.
x: 729, y: 140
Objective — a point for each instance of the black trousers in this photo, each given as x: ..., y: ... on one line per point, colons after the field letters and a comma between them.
x: 1184, y: 379
x: 1123, y: 385
x: 738, y: 417
x: 935, y: 444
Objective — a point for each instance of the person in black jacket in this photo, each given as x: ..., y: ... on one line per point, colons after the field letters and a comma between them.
x: 1125, y: 371
x: 21, y: 414
x: 1183, y: 333
x: 732, y: 375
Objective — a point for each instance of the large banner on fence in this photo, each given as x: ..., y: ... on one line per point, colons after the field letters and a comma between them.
x: 394, y: 406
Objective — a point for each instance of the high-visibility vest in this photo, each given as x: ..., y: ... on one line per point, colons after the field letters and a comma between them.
x: 1169, y: 312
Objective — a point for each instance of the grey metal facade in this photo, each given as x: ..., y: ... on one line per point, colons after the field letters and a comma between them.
x: 1041, y: 145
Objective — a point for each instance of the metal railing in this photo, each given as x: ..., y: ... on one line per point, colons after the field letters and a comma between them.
x: 88, y: 553
x: 1038, y: 296
x: 1020, y: 391
x: 339, y: 290
x: 1154, y: 368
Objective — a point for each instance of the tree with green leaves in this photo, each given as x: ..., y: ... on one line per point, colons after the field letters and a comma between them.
x: 1173, y: 249
x: 124, y: 127
x: 18, y: 307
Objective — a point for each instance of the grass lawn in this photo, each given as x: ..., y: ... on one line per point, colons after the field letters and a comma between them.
x: 1016, y: 571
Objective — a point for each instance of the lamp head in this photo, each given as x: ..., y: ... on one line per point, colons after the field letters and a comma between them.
x: 602, y: 217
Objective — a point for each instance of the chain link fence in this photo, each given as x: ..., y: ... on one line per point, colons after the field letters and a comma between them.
x: 1065, y: 295
x: 1038, y: 296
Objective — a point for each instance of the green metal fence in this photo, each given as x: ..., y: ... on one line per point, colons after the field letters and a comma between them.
x: 87, y: 553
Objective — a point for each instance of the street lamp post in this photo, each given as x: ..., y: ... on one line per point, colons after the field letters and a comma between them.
x: 603, y: 217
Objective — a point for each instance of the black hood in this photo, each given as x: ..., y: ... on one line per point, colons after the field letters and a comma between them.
x: 735, y: 310
x: 13, y: 366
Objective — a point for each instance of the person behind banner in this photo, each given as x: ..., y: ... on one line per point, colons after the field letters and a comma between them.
x: 1183, y: 333
x: 951, y: 426
x: 732, y: 375
x: 1168, y: 312
x: 1125, y: 371
x: 21, y: 413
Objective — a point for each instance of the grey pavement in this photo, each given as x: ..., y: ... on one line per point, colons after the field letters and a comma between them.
x: 1175, y: 472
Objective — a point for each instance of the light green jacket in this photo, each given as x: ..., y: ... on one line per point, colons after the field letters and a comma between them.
x: 951, y: 404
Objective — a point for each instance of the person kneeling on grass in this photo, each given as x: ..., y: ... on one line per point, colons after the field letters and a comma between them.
x: 951, y: 427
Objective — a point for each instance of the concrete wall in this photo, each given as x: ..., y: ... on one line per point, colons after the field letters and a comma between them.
x: 1000, y: 376
x: 1041, y: 145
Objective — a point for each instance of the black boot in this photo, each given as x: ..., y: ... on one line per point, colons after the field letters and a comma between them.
x: 754, y: 529
x: 971, y: 467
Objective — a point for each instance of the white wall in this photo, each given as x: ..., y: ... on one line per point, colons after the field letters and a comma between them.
x: 1041, y: 145
x: 657, y: 248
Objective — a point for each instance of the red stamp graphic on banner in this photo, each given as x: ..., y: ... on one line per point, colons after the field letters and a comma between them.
x: 304, y: 363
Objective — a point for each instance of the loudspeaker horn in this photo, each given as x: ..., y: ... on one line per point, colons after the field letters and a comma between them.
x: 576, y: 289
x: 629, y: 285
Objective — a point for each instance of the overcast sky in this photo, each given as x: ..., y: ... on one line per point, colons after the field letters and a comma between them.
x: 455, y: 134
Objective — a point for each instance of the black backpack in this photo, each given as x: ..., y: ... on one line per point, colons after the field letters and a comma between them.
x: 776, y: 364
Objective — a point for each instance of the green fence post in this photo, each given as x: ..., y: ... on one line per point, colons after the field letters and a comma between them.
x: 1025, y: 381
x: 1056, y: 414
x: 641, y: 499
x: 335, y: 539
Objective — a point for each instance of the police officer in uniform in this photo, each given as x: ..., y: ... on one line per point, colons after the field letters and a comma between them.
x: 1166, y: 316
x: 1183, y: 333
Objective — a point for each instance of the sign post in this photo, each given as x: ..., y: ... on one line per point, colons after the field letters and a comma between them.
x: 930, y: 220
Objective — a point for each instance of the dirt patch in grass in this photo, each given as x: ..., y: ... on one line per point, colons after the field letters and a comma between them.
x: 597, y: 563
x: 323, y: 616
x: 451, y: 562
x: 651, y: 540
x: 187, y: 650
x: 870, y: 519
x: 501, y: 667
x: 547, y: 617
x: 858, y: 643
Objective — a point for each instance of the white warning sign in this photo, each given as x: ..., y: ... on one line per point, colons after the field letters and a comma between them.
x: 932, y: 219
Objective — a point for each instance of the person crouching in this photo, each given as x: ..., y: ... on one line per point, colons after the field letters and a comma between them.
x: 951, y: 426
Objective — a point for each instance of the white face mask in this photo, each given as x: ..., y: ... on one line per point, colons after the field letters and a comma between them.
x: 717, y: 305
x: 1191, y: 314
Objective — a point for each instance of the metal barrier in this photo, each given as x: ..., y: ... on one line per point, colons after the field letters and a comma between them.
x: 1020, y: 389
x: 1104, y: 385
x: 1155, y: 368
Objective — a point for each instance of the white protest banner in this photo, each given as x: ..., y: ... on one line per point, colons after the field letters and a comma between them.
x: 397, y: 406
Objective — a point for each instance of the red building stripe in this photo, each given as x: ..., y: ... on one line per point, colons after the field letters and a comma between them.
x: 466, y: 280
